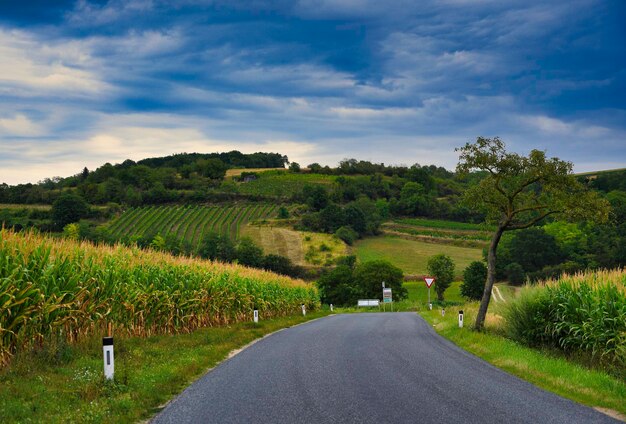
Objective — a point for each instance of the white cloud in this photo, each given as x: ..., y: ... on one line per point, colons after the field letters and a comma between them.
x: 20, y: 125
x: 60, y: 68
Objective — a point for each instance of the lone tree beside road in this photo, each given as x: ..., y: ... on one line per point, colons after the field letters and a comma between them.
x: 520, y: 191
x: 442, y: 268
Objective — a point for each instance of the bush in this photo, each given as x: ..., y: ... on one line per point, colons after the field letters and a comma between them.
x: 283, y: 213
x: 527, y: 315
x: 515, y: 274
x: 370, y: 275
x: 474, y: 278
x: 337, y: 286
x: 249, y: 254
x: 347, y: 234
x: 68, y: 208
x: 442, y: 268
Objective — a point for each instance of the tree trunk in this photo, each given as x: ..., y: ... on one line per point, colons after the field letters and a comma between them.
x: 491, y: 277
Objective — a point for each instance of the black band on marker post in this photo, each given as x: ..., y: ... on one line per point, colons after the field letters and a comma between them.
x: 107, y: 341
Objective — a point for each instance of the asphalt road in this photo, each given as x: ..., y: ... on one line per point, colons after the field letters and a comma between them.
x: 366, y: 368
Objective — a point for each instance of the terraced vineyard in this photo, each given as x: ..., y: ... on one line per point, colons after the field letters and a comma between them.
x: 188, y: 222
x: 437, y: 231
x: 282, y: 184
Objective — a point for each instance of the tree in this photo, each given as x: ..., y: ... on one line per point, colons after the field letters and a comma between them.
x: 332, y: 218
x: 280, y: 265
x: 369, y: 276
x: 217, y: 247
x: 68, y: 208
x: 474, y: 278
x: 534, y: 249
x: 337, y: 286
x: 520, y: 191
x: 294, y: 167
x: 442, y: 268
x: 249, y: 254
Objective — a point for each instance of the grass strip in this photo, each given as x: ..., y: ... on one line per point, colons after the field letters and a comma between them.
x: 546, y: 369
x: 67, y: 385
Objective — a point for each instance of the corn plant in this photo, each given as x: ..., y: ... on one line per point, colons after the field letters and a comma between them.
x: 52, y: 288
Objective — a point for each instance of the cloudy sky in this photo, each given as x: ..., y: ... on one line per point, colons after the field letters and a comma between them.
x: 400, y: 82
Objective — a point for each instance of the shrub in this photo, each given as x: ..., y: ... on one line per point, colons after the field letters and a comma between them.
x: 347, y: 234
x: 474, y: 278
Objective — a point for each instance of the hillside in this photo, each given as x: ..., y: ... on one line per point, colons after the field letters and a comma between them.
x: 188, y: 223
x: 313, y: 215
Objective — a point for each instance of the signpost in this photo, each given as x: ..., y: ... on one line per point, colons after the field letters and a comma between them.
x: 387, y: 297
x: 429, y: 282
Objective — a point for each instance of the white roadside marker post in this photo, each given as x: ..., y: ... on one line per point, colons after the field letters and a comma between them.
x: 331, y: 307
x: 109, y: 361
x: 256, y: 315
x: 443, y: 312
x: 430, y: 306
x: 303, y: 310
x: 460, y: 319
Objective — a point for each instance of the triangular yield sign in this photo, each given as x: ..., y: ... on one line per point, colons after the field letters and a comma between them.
x: 429, y: 281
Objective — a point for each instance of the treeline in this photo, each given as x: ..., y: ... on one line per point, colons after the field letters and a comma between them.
x: 175, y: 178
x: 557, y: 247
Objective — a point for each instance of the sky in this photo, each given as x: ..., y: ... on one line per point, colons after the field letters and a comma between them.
x: 400, y: 82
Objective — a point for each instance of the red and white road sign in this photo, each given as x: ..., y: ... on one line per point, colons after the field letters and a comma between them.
x: 429, y: 281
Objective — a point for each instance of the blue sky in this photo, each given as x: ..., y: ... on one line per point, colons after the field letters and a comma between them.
x: 400, y: 82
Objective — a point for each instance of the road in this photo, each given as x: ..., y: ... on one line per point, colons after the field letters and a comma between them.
x: 366, y: 368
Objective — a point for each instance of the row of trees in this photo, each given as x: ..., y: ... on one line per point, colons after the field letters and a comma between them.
x: 148, y: 181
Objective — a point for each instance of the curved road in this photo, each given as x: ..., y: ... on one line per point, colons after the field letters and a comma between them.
x: 366, y: 368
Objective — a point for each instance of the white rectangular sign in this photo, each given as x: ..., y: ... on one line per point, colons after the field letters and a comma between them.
x: 368, y: 302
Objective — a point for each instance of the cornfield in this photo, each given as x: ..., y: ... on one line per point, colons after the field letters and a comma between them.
x: 53, y: 288
x: 585, y: 312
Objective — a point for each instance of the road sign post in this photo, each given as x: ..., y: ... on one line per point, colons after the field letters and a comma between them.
x: 387, y: 297
x: 429, y: 282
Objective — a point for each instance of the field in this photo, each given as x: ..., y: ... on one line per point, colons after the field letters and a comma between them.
x: 412, y: 255
x: 60, y: 291
x: 303, y: 248
x: 189, y: 223
x: 437, y: 231
x: 282, y: 184
x: 238, y: 171
x: 583, y: 314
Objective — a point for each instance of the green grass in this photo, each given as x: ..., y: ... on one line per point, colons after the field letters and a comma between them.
x: 452, y: 225
x: 69, y: 387
x: 411, y: 255
x: 418, y: 296
x: 544, y: 368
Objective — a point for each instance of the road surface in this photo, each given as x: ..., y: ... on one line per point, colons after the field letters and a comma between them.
x: 366, y: 368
